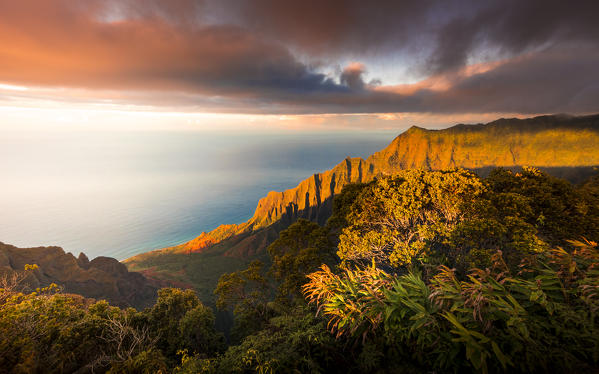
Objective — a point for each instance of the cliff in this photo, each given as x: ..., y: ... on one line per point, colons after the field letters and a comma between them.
x: 101, y: 278
x: 557, y: 144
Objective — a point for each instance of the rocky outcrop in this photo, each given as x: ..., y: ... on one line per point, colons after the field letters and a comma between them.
x: 102, y: 278
x: 555, y: 143
x: 83, y: 261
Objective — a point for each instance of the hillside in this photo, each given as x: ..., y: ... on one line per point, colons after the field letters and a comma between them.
x: 562, y: 145
x: 100, y: 278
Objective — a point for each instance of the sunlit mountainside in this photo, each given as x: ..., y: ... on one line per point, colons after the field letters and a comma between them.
x: 564, y: 146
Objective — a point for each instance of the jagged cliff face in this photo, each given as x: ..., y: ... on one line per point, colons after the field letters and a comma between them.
x: 102, y: 278
x: 311, y: 196
x: 546, y: 142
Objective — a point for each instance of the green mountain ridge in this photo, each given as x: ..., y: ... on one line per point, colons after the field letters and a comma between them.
x: 565, y: 146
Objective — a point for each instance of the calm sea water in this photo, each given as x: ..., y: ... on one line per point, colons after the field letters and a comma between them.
x: 122, y: 193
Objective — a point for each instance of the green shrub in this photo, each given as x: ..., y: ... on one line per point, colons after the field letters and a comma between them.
x: 540, y: 319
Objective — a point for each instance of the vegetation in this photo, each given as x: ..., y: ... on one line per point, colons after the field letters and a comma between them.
x: 421, y: 271
x: 541, y: 319
x: 47, y: 331
x: 401, y: 220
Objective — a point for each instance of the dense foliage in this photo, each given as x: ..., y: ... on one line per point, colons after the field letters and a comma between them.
x: 489, y: 279
x: 402, y: 219
x: 456, y: 219
x: 421, y: 271
x: 541, y: 319
x: 50, y: 332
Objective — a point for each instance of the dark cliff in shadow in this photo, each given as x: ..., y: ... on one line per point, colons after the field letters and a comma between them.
x: 101, y: 278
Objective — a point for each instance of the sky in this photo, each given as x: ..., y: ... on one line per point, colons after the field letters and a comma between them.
x: 277, y: 64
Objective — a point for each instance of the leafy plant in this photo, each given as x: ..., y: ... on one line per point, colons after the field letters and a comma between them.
x: 542, y: 318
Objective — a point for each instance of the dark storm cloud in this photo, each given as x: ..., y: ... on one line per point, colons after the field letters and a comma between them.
x: 331, y: 27
x: 513, y: 27
x: 449, y: 31
x: 266, y: 55
x: 547, y: 81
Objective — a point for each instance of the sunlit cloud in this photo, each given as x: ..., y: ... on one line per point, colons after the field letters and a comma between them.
x: 11, y: 87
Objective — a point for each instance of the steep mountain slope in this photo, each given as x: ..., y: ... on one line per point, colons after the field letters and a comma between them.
x: 101, y: 278
x: 563, y: 145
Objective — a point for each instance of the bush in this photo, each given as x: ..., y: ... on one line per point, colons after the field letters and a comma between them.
x: 540, y: 319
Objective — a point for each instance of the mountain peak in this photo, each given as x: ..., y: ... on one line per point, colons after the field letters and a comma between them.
x: 83, y: 261
x: 415, y: 129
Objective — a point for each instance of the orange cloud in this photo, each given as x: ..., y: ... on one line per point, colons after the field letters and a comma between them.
x: 61, y: 43
x: 442, y: 82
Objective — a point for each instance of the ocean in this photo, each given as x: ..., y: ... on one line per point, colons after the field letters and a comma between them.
x: 118, y: 193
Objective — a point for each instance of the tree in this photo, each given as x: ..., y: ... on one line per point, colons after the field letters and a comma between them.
x: 297, y: 342
x: 246, y: 292
x: 425, y: 218
x: 557, y: 209
x: 180, y: 321
x: 299, y: 250
x: 401, y: 220
x: 12, y: 281
x: 522, y: 213
x: 46, y: 331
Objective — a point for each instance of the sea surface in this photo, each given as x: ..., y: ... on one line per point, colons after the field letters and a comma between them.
x: 122, y: 193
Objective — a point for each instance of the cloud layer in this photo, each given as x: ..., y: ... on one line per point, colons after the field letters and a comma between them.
x: 269, y: 56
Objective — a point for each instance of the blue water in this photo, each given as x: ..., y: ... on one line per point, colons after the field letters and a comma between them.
x: 122, y: 193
